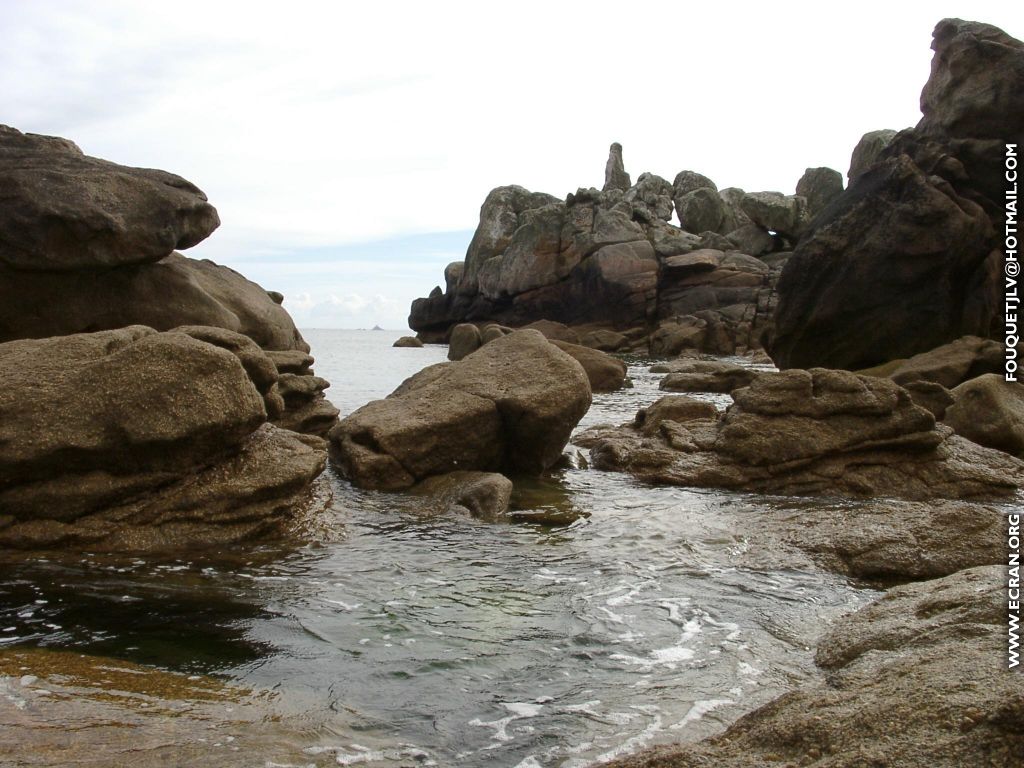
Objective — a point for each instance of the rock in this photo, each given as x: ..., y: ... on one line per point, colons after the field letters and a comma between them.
x: 671, y: 241
x: 701, y: 210
x: 688, y: 181
x: 66, y: 211
x: 604, y: 372
x: 867, y: 151
x: 752, y: 239
x: 819, y: 186
x: 672, y: 337
x: 492, y: 332
x: 989, y: 411
x: 885, y: 262
x: 178, y: 458
x: 785, y: 215
x: 509, y: 407
x: 615, y: 176
x: 555, y: 331
x: 933, y: 397
x: 813, y: 432
x: 484, y: 495
x: 291, y: 360
x: 911, y: 682
x: 465, y: 340
x: 976, y: 87
x: 172, y: 292
x: 651, y: 198
x: 604, y: 340
x: 890, y: 541
x: 949, y: 364
x: 678, y: 408
x: 407, y: 341
x: 706, y: 376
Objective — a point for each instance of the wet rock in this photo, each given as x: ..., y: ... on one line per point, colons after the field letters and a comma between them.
x: 867, y: 151
x: 484, y: 495
x: 705, y: 376
x: 989, y: 411
x: 408, y: 341
x: 605, y: 373
x: 673, y: 408
x: 465, y: 340
x: 66, y: 211
x: 510, y: 406
x: 813, y: 432
x: 180, y: 457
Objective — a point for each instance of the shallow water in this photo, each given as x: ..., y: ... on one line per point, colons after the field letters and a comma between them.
x: 402, y: 638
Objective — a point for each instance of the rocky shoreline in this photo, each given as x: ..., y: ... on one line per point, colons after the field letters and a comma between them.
x: 154, y: 402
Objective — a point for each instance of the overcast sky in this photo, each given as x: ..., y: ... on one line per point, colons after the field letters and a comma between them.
x: 348, y: 146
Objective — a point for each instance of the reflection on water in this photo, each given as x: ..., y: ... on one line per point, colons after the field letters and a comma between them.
x: 404, y: 638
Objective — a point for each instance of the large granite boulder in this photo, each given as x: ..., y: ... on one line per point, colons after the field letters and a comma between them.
x: 604, y: 372
x: 66, y: 211
x: 867, y: 151
x: 812, y: 432
x: 510, y: 406
x: 819, y: 186
x: 907, y: 258
x: 133, y: 439
x: 948, y: 365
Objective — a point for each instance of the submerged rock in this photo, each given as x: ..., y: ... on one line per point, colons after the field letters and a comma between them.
x: 812, y: 432
x: 481, y: 494
x: 180, y: 456
x: 510, y: 406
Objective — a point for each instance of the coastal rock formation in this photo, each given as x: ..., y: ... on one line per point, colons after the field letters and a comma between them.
x: 604, y: 372
x: 907, y: 258
x: 88, y: 245
x: 611, y: 258
x: 407, y: 341
x: 615, y: 176
x: 913, y: 679
x: 812, y: 432
x: 182, y: 455
x: 949, y: 365
x: 867, y: 151
x: 510, y: 406
x: 703, y: 376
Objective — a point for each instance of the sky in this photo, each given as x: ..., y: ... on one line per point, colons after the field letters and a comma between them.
x: 348, y: 146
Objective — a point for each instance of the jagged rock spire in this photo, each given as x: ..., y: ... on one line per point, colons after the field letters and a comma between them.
x: 615, y: 176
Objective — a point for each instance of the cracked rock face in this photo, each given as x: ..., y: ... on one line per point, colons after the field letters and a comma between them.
x: 510, y: 406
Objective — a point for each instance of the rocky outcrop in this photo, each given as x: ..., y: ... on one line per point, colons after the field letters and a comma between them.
x: 604, y: 372
x: 88, y: 245
x: 612, y: 258
x: 133, y: 439
x: 949, y: 365
x: 407, y: 341
x: 989, y: 411
x: 913, y: 680
x: 615, y: 176
x: 812, y: 432
x: 703, y: 376
x: 867, y: 151
x: 907, y: 258
x: 510, y: 407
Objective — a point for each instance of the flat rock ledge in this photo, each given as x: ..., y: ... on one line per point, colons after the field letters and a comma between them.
x: 816, y: 432
x: 138, y: 440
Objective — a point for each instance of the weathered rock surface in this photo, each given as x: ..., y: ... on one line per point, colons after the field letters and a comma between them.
x: 907, y: 258
x: 65, y: 211
x: 812, y: 432
x: 465, y: 340
x: 179, y: 456
x: 510, y: 406
x: 615, y: 176
x: 704, y: 376
x: 914, y: 680
x: 604, y: 372
x: 481, y: 494
x: 819, y: 186
x: 989, y: 411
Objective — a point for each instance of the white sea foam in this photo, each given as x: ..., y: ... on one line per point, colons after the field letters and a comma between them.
x: 698, y: 710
